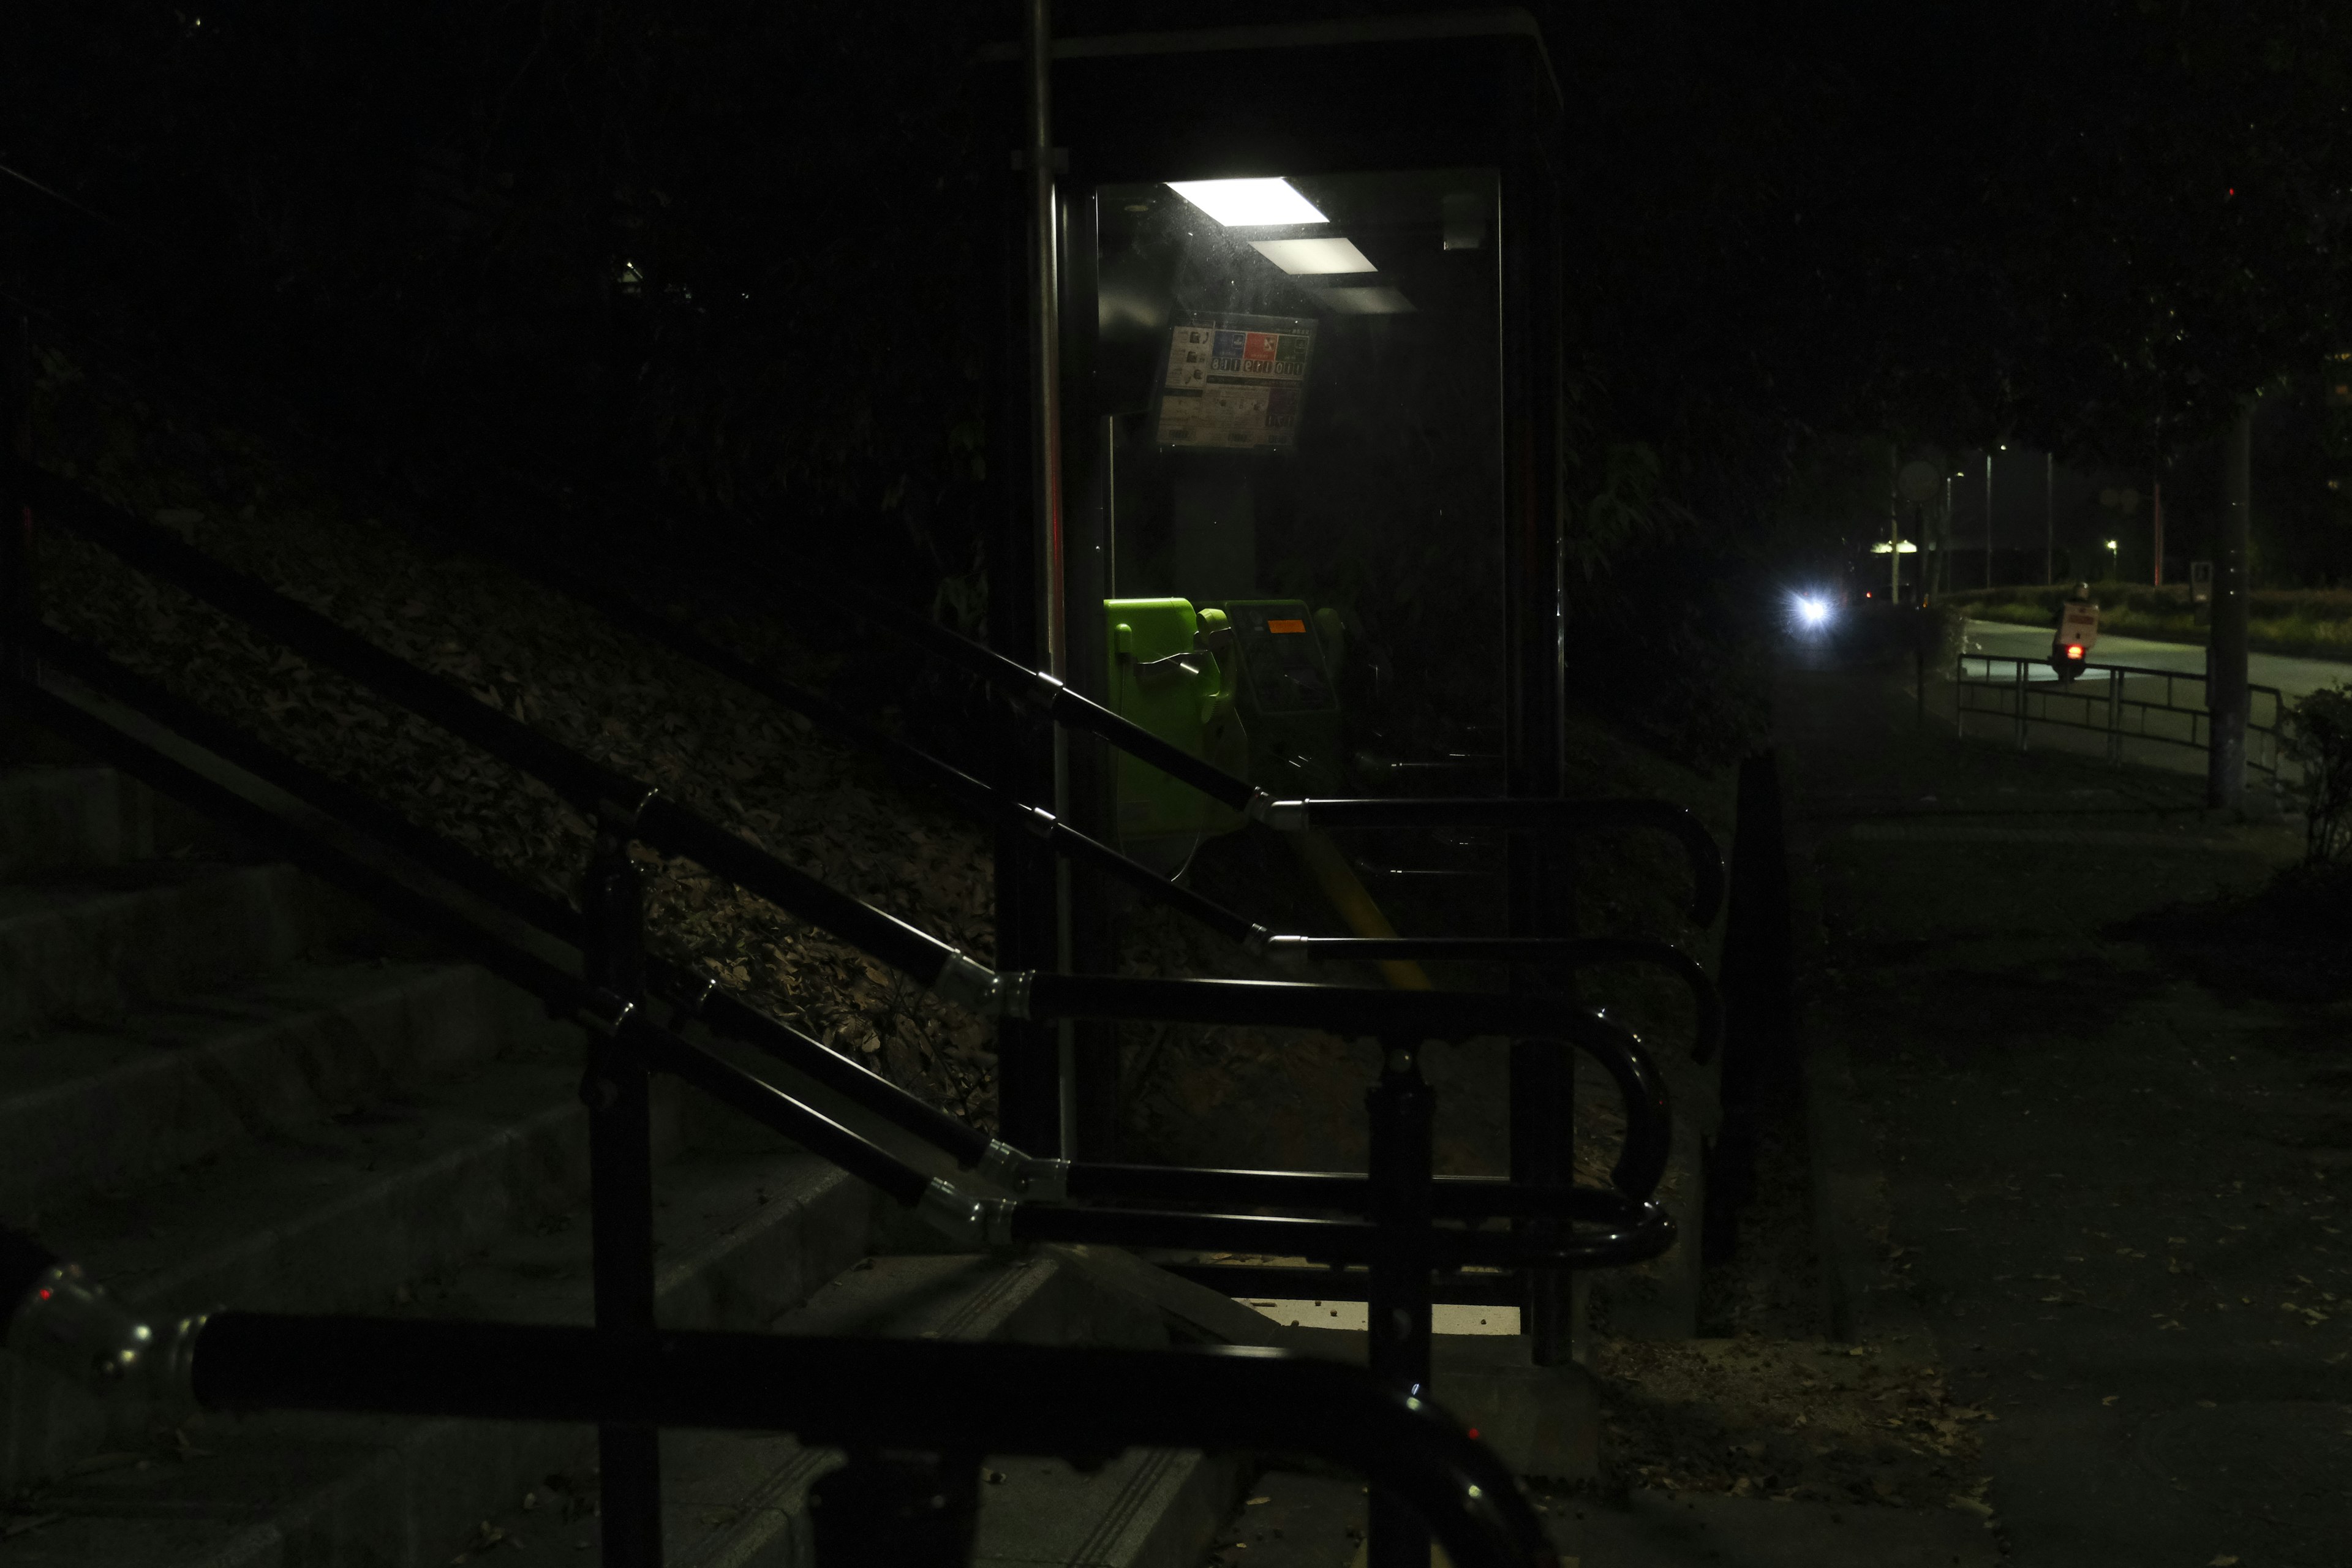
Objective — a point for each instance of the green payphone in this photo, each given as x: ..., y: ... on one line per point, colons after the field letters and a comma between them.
x: 1173, y: 672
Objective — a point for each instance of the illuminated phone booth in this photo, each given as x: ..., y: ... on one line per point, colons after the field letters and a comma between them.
x: 1310, y: 305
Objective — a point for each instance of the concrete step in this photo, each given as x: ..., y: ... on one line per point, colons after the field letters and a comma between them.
x: 96, y: 943
x: 735, y: 1500
x: 118, y: 1104
x: 333, y: 1217
x: 59, y: 817
x: 82, y: 814
x: 742, y: 1237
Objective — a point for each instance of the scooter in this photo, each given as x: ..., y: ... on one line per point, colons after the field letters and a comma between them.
x: 2077, y: 633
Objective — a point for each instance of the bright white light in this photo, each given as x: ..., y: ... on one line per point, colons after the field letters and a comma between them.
x: 1247, y: 203
x: 1298, y: 257
x: 1907, y: 548
x: 1811, y: 611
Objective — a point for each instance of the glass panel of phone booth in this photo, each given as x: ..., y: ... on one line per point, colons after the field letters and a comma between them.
x: 1307, y: 444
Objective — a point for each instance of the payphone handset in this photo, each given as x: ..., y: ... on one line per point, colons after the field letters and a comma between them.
x: 1170, y: 672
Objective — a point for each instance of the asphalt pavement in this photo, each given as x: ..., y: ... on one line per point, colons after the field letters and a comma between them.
x: 2106, y: 1173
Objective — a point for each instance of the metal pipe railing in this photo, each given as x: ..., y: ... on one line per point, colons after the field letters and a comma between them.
x: 859, y: 1395
x: 1397, y: 1242
x: 1063, y: 706
x: 613, y: 1015
x: 2111, y: 701
x: 1400, y: 1243
x: 1560, y: 953
x: 671, y: 829
x: 694, y: 995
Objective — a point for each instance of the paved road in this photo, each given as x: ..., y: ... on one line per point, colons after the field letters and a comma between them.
x: 2113, y: 1167
x: 2292, y: 676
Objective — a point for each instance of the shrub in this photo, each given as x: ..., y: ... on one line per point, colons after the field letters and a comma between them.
x: 2318, y: 735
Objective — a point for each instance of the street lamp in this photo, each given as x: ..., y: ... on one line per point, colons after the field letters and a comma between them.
x: 2114, y: 561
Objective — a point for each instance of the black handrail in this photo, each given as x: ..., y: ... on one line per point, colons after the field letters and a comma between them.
x: 566, y: 995
x: 1081, y: 1404
x: 1044, y: 692
x: 590, y: 785
x: 1450, y: 1197
x: 690, y: 994
x: 407, y: 684
x: 977, y: 798
x: 989, y: 804
x: 1640, y: 1231
x: 1399, y: 1242
x: 1066, y: 706
x: 1369, y: 1012
x: 1565, y: 953
x: 673, y: 829
x: 1527, y: 813
x: 1639, y: 1169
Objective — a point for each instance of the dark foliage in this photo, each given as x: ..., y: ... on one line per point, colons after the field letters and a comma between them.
x: 712, y: 255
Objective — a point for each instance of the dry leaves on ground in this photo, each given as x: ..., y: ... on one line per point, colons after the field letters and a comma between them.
x: 552, y: 664
x: 1800, y: 1420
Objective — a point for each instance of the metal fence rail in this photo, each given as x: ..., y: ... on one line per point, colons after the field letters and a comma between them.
x: 2102, y: 699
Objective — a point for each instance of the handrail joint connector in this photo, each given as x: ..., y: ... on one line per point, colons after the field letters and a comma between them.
x: 976, y: 988
x: 1282, y: 815
x: 966, y: 1217
x: 1024, y: 1175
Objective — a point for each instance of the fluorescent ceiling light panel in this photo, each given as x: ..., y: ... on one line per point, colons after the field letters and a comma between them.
x: 1314, y: 256
x: 1364, y: 301
x: 1248, y: 204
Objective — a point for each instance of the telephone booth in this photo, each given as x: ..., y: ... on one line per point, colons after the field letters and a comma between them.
x: 1305, y: 517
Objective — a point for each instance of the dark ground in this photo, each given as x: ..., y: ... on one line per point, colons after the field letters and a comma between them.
x: 2110, y: 1092
x: 2098, y: 1065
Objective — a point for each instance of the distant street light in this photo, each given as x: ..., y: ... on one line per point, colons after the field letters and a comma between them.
x: 2115, y: 560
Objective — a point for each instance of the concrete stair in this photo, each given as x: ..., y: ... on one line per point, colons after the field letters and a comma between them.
x: 218, y: 1086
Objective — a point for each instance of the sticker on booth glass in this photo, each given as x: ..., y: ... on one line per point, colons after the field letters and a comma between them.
x: 1236, y: 383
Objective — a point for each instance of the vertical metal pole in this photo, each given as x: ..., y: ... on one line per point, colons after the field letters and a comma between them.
x: 1045, y: 457
x: 1045, y: 336
x: 1987, y: 519
x: 1894, y: 528
x: 2158, y: 484
x: 621, y: 1184
x: 2225, y: 654
x: 18, y: 605
x: 1398, y: 1314
x: 2021, y: 704
x: 1543, y: 1108
x: 2114, y: 715
x: 2049, y: 518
